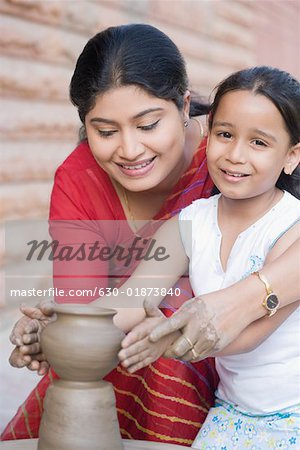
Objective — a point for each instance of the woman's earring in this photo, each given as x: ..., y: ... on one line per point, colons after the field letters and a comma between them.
x: 186, y: 123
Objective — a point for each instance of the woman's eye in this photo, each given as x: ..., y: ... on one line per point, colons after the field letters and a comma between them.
x: 151, y: 126
x: 106, y: 133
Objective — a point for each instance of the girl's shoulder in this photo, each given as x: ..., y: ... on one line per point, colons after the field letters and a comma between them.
x: 199, y: 207
x: 289, y: 199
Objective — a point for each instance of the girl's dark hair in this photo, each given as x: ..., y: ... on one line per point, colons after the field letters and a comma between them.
x: 284, y: 92
x: 136, y: 54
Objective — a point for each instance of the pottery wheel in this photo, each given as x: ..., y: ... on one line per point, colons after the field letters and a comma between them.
x: 31, y: 444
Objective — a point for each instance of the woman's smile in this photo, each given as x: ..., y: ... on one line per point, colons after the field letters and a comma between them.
x: 138, y: 168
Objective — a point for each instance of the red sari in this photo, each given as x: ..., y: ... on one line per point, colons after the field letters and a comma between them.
x: 168, y: 400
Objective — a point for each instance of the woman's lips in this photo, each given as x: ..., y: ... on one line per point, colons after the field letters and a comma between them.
x: 138, y: 169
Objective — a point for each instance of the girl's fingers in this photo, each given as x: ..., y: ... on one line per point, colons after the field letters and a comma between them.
x: 134, y: 349
x: 140, y: 365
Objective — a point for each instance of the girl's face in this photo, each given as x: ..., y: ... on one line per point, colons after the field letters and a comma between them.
x: 137, y: 139
x: 249, y: 146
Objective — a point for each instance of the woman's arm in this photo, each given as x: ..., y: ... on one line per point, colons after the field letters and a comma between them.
x: 259, y: 330
x: 216, y: 319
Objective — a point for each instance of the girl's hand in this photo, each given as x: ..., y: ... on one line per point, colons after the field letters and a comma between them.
x: 137, y: 351
x: 26, y: 336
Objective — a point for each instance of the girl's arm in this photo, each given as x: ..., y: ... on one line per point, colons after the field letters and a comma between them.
x: 152, y: 277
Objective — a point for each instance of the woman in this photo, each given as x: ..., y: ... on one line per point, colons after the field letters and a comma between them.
x: 142, y: 160
x: 130, y: 88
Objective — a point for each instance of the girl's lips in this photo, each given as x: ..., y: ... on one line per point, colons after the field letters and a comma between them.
x: 234, y: 177
x: 138, y: 169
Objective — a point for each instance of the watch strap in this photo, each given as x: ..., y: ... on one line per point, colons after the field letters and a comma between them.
x: 270, y: 294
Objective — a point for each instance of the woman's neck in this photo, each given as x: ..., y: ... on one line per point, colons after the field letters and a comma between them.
x: 193, y: 137
x: 144, y: 205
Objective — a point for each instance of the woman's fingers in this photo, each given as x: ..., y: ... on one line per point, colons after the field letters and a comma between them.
x: 44, y: 367
x: 168, y: 326
x: 16, y: 336
x: 17, y: 359
x: 199, y: 336
x: 31, y: 349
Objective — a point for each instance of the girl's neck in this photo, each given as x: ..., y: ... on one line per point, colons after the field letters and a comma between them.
x: 243, y: 213
x: 236, y: 216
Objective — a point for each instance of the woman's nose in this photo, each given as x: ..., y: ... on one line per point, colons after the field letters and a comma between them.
x: 130, y: 147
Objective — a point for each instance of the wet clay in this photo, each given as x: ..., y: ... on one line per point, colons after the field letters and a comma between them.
x: 79, y: 408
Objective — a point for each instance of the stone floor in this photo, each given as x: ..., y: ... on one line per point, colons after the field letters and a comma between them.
x: 15, y: 384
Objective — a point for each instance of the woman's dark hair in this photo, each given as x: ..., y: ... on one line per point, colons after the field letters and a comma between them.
x: 136, y: 54
x: 284, y: 92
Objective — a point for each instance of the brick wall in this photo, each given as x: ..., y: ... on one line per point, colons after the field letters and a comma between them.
x: 40, y: 41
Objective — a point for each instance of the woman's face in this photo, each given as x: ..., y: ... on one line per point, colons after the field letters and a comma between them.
x: 137, y: 139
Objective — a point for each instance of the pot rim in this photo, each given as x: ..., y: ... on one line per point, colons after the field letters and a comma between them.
x: 83, y: 310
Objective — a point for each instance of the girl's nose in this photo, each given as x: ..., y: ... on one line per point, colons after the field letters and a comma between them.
x: 237, y: 153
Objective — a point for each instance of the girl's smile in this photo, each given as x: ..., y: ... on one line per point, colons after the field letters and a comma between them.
x: 248, y: 145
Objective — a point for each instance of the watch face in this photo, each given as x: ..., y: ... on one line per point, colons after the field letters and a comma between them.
x: 272, y: 301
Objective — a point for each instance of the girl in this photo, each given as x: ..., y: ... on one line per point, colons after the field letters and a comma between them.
x: 252, y: 152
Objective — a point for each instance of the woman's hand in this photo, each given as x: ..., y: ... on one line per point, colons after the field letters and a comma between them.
x: 26, y: 337
x: 206, y: 329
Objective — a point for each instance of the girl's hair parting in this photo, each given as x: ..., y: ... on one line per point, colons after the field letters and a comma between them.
x: 283, y: 91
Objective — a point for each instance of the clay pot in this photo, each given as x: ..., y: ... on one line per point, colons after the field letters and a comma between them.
x: 83, y: 343
x: 79, y: 409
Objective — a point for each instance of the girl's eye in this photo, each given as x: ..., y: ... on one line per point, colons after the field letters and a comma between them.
x: 106, y: 133
x: 151, y: 126
x: 259, y: 143
x: 224, y: 134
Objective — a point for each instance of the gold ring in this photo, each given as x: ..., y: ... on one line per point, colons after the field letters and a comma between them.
x: 194, y: 353
x: 188, y: 341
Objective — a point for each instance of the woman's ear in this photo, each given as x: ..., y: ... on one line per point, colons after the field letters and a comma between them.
x: 292, y: 159
x: 186, y: 105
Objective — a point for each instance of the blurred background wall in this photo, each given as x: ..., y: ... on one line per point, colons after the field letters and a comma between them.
x: 41, y: 40
x: 39, y: 43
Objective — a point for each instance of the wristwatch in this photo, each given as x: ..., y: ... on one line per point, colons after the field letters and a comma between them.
x: 271, y: 301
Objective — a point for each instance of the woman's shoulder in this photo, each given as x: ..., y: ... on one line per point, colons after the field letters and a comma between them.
x: 79, y: 159
x: 83, y: 190
x: 82, y: 170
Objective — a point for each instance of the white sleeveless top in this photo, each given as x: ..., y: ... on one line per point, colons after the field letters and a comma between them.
x: 266, y: 379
